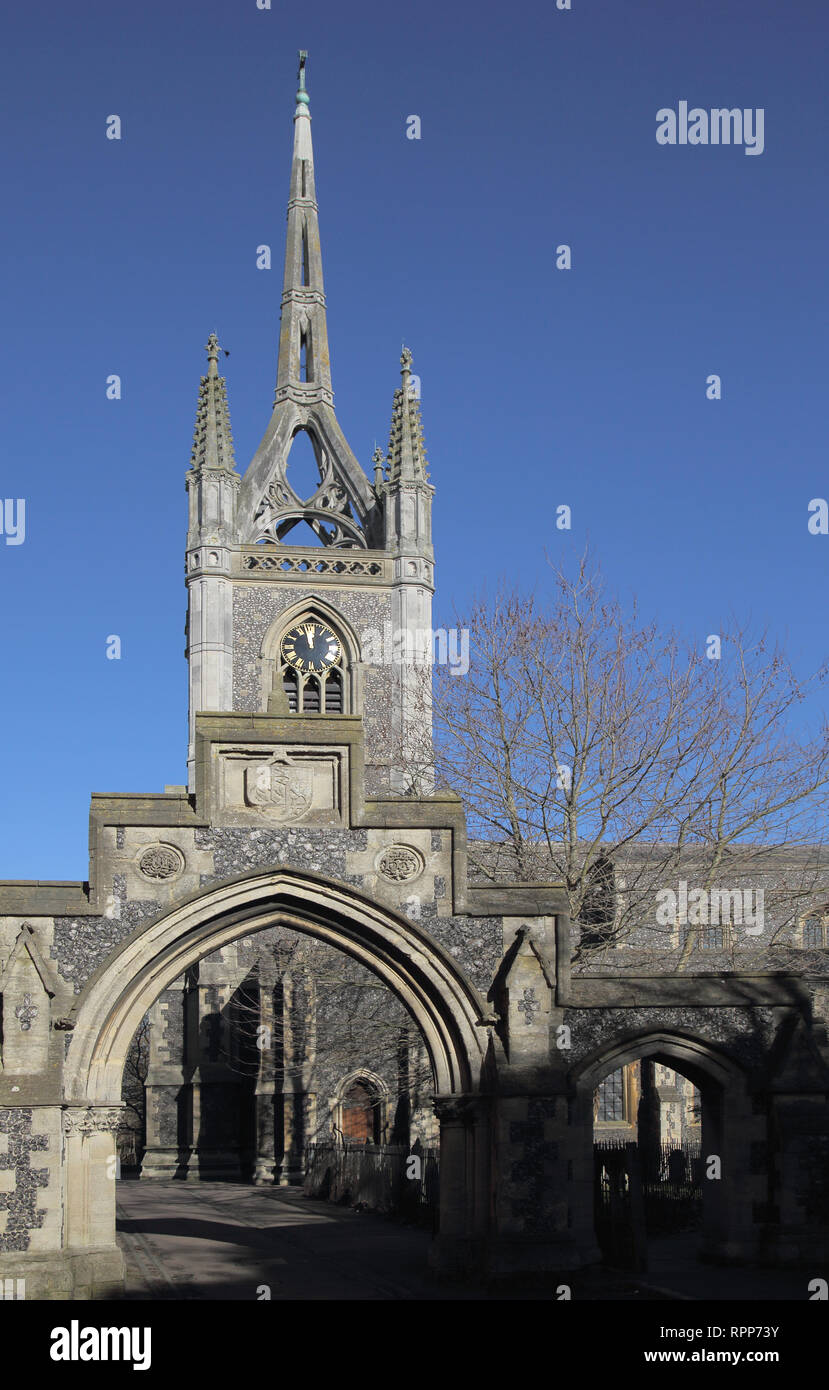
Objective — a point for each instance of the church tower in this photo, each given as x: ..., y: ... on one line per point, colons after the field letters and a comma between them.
x: 316, y: 607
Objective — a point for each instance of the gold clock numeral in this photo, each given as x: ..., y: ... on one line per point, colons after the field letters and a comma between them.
x: 309, y: 629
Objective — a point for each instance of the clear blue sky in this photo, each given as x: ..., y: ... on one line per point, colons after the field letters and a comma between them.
x: 540, y: 386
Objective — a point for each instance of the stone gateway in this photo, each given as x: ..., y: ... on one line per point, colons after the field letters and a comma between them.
x: 310, y: 813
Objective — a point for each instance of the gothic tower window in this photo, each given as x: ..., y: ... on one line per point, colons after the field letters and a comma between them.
x: 312, y: 668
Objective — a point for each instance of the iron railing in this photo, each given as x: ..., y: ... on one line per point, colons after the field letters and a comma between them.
x: 389, y: 1178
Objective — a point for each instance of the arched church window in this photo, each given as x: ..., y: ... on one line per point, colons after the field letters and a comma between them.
x: 815, y: 935
x: 609, y: 1099
x: 597, y: 917
x: 312, y: 668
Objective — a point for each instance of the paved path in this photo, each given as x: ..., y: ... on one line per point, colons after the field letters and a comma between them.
x: 225, y: 1241
x: 232, y: 1241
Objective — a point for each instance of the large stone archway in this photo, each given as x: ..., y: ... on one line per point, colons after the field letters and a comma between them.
x: 448, y: 1011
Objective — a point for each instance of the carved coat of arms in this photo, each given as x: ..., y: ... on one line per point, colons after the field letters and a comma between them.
x: 285, y: 787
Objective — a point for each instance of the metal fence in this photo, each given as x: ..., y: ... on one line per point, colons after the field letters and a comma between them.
x: 652, y: 1190
x: 379, y: 1177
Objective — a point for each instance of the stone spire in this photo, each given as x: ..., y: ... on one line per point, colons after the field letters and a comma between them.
x: 212, y: 440
x: 343, y: 510
x: 407, y: 506
x: 407, y: 455
x: 212, y: 488
x: 304, y: 369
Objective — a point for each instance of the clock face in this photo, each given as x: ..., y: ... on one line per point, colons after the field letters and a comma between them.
x: 310, y: 648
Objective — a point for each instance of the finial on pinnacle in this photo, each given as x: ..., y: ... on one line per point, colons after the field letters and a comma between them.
x: 212, y: 355
x: 406, y: 361
x: 378, y: 458
x: 302, y: 96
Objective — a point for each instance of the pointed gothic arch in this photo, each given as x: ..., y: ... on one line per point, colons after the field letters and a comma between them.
x: 372, y: 1110
x: 730, y: 1123
x: 349, y: 669
x: 330, y: 510
x: 447, y: 1009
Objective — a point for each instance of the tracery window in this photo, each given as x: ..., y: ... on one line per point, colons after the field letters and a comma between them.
x: 815, y: 935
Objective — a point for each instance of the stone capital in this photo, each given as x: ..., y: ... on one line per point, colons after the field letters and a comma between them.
x: 93, y: 1120
x: 456, y: 1110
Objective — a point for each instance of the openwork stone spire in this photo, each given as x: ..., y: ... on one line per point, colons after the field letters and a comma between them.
x: 304, y: 371
x: 212, y: 440
x: 343, y: 510
x: 407, y: 454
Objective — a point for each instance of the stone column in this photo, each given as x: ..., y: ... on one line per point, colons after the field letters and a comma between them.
x: 648, y: 1121
x: 671, y: 1104
x: 216, y: 1087
x: 265, y: 1165
x: 90, y: 1162
x: 298, y: 1102
x: 457, y: 1248
x: 167, y: 1092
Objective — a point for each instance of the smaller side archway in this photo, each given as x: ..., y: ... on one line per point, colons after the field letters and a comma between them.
x: 729, y: 1129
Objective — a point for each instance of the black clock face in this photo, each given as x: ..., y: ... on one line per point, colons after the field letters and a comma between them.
x: 310, y: 648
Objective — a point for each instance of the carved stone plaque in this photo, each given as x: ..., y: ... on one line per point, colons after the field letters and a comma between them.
x: 161, y: 861
x: 284, y: 786
x: 400, y: 863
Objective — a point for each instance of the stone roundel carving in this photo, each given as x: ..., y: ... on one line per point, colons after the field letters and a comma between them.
x: 161, y: 861
x: 400, y: 863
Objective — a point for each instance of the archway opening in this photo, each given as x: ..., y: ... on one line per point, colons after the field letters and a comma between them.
x: 264, y: 1055
x: 667, y: 1119
x: 647, y: 1164
x: 435, y: 995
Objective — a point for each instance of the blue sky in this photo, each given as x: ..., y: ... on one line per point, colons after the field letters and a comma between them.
x: 540, y: 387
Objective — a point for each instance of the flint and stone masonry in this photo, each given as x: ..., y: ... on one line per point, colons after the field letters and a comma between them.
x: 309, y: 807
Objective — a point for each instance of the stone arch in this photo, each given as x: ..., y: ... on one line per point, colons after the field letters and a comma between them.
x: 269, y: 662
x: 729, y: 1125
x: 446, y: 1007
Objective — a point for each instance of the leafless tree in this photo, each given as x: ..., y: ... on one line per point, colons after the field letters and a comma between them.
x: 592, y: 746
x: 135, y: 1076
x: 326, y: 1012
